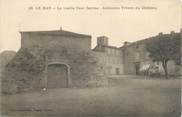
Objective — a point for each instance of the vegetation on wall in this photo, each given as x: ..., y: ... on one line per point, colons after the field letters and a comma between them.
x: 26, y: 61
x: 24, y: 68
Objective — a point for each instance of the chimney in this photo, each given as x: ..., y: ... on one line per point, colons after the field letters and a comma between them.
x: 127, y: 43
x: 172, y: 32
x: 160, y: 34
x: 60, y: 28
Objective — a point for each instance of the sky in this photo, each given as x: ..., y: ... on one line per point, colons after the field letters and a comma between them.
x: 119, y: 25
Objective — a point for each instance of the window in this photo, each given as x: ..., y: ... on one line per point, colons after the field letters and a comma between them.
x: 117, y: 71
x: 137, y: 56
x: 147, y: 55
x: 127, y: 53
x: 108, y: 51
x: 117, y: 52
x: 64, y: 51
x: 111, y: 51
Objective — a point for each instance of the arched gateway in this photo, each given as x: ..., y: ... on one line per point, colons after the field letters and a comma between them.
x: 58, y: 75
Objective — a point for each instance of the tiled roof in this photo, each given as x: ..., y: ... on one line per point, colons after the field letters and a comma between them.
x: 57, y: 32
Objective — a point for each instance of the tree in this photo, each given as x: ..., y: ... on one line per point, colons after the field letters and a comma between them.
x: 164, y: 48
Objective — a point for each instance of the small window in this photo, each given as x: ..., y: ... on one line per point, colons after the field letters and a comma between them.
x: 137, y: 56
x: 147, y: 55
x: 117, y: 71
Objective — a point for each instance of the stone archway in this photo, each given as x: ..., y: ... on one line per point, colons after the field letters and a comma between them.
x: 58, y: 75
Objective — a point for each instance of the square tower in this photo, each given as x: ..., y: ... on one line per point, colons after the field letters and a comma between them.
x: 102, y: 40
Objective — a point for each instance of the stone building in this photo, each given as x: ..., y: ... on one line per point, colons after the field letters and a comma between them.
x: 136, y: 58
x: 110, y: 56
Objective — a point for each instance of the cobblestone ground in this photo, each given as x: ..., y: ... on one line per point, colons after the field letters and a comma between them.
x: 123, y: 98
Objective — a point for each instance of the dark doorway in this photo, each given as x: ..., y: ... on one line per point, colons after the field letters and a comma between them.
x: 137, y: 68
x: 57, y: 76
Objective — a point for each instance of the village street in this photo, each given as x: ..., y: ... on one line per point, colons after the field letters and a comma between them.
x: 122, y: 98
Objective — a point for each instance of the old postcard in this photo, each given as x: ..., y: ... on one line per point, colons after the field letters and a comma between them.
x: 94, y: 58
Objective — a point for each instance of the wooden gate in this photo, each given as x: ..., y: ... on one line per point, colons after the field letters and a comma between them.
x: 57, y: 76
